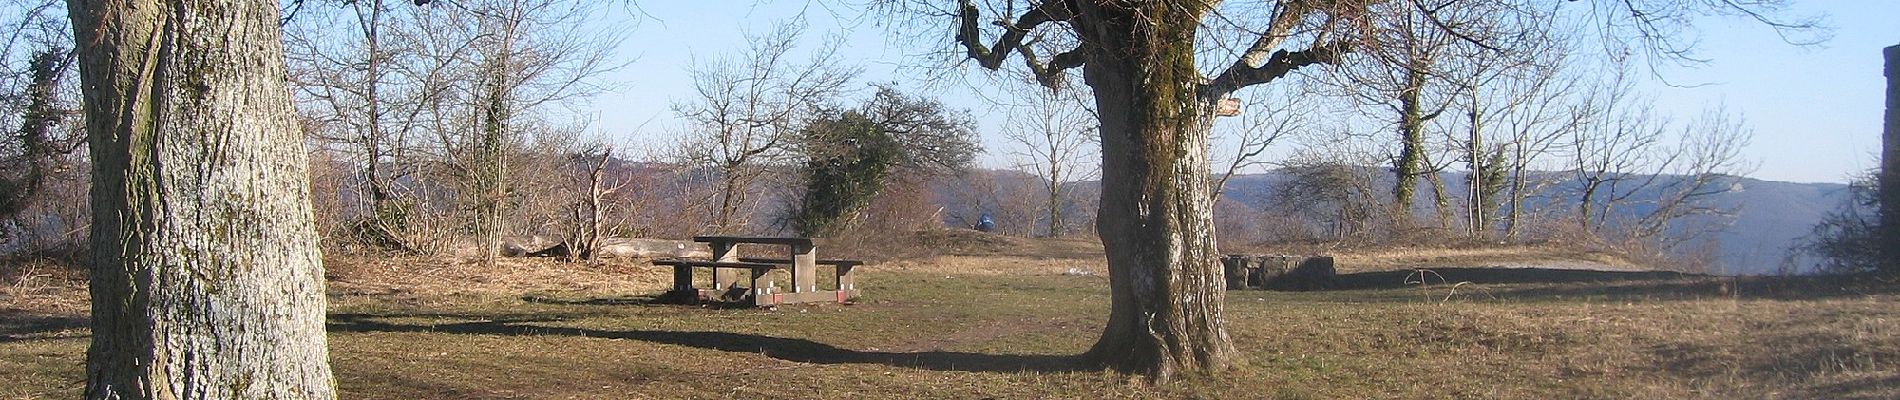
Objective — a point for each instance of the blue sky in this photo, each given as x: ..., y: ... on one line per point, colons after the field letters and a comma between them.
x: 1816, y: 110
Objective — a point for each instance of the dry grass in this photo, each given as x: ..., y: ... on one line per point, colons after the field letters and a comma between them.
x: 42, y: 286
x: 427, y: 277
x: 1496, y: 257
x: 1001, y: 326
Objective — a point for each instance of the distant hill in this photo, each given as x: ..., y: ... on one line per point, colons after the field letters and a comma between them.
x: 1770, y: 217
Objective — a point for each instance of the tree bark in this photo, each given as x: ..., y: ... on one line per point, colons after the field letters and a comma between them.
x: 1156, y: 219
x: 1441, y: 201
x: 1890, y: 165
x: 1055, y: 194
x: 491, y: 160
x: 1407, y: 167
x: 595, y: 195
x: 206, y: 277
x: 1474, y: 149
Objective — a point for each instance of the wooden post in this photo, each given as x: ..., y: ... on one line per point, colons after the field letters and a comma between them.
x: 724, y: 278
x: 1890, y: 167
x: 763, y: 288
x: 804, y: 268
x: 682, y: 279
x: 847, y: 284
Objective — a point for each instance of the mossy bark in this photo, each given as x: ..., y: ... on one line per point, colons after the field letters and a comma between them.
x: 1156, y: 216
x: 206, y: 278
x: 1410, y: 162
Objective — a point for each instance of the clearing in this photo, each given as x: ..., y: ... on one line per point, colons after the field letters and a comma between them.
x: 990, y: 317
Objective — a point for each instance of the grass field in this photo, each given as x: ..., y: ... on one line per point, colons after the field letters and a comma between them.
x: 1001, y: 326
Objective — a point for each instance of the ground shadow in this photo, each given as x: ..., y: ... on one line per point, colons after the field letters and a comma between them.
x: 737, y: 299
x: 789, y: 349
x: 23, y: 326
x: 1541, y: 283
x: 1705, y: 287
x: 1410, y: 277
x: 1804, y: 363
x: 595, y: 301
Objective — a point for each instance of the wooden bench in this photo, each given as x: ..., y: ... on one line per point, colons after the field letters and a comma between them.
x: 801, y: 261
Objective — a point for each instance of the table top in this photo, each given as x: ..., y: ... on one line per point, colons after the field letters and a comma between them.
x: 754, y: 239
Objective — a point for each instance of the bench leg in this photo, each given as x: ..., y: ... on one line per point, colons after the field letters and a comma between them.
x: 682, y: 278
x: 764, y: 290
x: 683, y: 291
x: 804, y: 269
x: 847, y: 283
x: 725, y: 278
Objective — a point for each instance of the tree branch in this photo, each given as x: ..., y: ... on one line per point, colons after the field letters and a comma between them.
x: 1241, y: 75
x: 992, y: 57
x: 1286, y: 16
x: 1050, y: 74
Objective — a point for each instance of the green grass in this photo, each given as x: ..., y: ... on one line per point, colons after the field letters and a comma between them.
x: 921, y: 334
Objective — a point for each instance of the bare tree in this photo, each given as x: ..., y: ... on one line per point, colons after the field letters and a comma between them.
x: 1531, y: 115
x: 1706, y: 161
x: 1534, y: 114
x: 1397, y: 76
x: 1332, y: 189
x: 590, y: 210
x: 507, y: 62
x: 746, y: 114
x: 206, y: 277
x: 1611, y: 153
x: 350, y: 83
x: 1641, y: 180
x: 1155, y: 108
x: 1423, y: 68
x: 1274, y: 116
x: 1055, y: 141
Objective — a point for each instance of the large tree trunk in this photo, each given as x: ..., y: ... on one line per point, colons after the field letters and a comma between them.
x: 206, y: 278
x: 1156, y: 221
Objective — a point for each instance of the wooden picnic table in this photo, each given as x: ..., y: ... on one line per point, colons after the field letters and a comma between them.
x: 800, y: 256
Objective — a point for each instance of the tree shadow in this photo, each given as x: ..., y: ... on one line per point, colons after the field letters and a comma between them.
x: 1700, y: 288
x: 734, y: 300
x: 1796, y: 362
x: 1868, y: 387
x: 1410, y: 277
x: 16, y: 327
x: 594, y: 301
x: 1542, y: 283
x: 789, y: 349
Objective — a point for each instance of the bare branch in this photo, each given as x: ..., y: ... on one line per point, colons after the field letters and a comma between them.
x: 1047, y: 72
x: 1282, y: 62
x: 1050, y: 74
